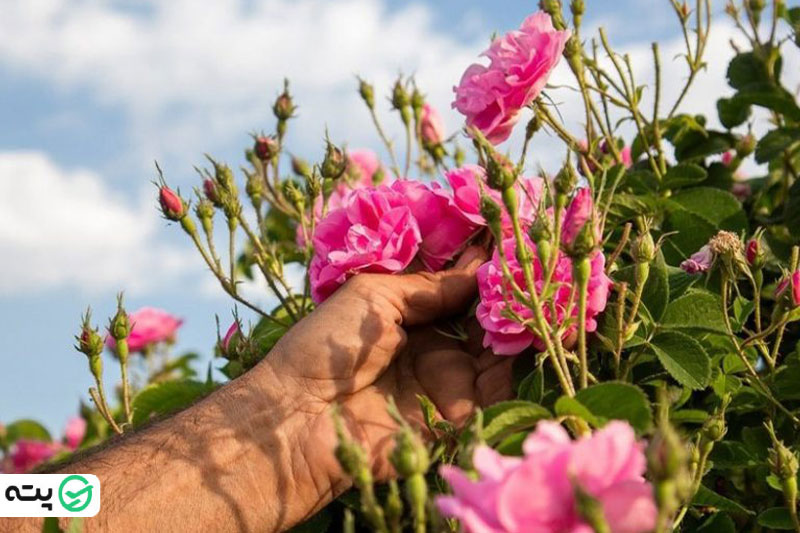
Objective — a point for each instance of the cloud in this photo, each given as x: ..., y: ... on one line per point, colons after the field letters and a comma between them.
x: 66, y: 228
x: 192, y: 77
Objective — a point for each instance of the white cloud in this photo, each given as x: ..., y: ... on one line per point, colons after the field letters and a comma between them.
x: 193, y: 75
x: 66, y: 228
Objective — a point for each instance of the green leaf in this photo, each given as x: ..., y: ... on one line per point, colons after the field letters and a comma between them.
x: 776, y: 518
x: 695, y: 310
x: 683, y: 174
x: 505, y: 418
x: 618, y: 401
x: 706, y: 497
x: 684, y: 358
x: 732, y: 112
x: 266, y: 334
x: 691, y: 233
x: 679, y: 282
x: 165, y: 398
x: 791, y: 213
x: 742, y: 309
x: 771, y: 97
x: 746, y: 69
x: 775, y: 142
x: 731, y: 454
x: 532, y: 386
x: 719, y: 207
x: 718, y: 523
x: 567, y: 406
x: 26, y: 429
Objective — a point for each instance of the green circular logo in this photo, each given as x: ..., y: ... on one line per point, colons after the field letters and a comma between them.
x: 72, y: 491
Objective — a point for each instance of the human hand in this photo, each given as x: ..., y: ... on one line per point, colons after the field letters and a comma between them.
x: 376, y: 338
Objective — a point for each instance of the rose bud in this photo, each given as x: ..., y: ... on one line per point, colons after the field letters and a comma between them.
x: 172, y: 206
x: 754, y: 253
x: 210, y: 190
x: 431, y: 126
x: 284, y: 107
x: 265, y: 147
x: 576, y: 234
x: 789, y: 288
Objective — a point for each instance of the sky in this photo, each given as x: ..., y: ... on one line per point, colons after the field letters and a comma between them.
x: 92, y: 92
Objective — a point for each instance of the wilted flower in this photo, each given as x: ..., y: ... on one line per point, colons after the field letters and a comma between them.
x: 698, y: 262
x: 537, y: 491
x: 789, y: 288
x: 373, y: 231
x: 507, y: 336
x: 520, y: 64
x: 149, y: 326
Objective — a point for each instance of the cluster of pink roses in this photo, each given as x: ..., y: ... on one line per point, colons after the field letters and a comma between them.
x: 537, y: 492
x: 27, y: 454
x: 520, y: 63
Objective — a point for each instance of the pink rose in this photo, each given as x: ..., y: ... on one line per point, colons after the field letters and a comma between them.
x: 627, y: 158
x: 74, y: 432
x: 699, y: 262
x: 373, y: 231
x: 443, y: 228
x: 27, y: 454
x: 727, y: 158
x: 508, y: 337
x: 466, y: 185
x: 536, y: 492
x: 431, y: 126
x: 149, y: 326
x: 791, y: 282
x: 362, y: 164
x: 579, y: 213
x: 520, y: 63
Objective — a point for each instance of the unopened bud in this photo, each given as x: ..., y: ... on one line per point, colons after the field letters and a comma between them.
x: 788, y: 290
x: 500, y: 173
x: 204, y: 210
x: 459, y: 157
x: 266, y: 147
x: 643, y: 248
x: 417, y: 101
x: 566, y: 180
x: 685, y: 11
x: 300, y: 167
x: 410, y: 456
x: 172, y: 206
x: 120, y: 325
x: 666, y: 454
x: 492, y: 213
x: 746, y: 146
x: 754, y: 253
x: 367, y: 93
x: 572, y: 51
x: 210, y: 190
x: 89, y: 340
x: 335, y: 162
x: 400, y: 98
x: 553, y: 8
x: 293, y: 193
x: 284, y: 107
x: 714, y: 429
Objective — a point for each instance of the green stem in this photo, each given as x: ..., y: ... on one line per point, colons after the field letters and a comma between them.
x: 583, y: 270
x: 122, y: 353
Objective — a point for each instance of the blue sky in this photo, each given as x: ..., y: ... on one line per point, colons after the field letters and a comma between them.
x: 92, y: 92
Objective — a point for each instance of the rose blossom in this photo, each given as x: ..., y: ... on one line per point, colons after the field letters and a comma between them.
x: 520, y: 63
x: 699, y: 262
x: 443, y: 228
x: 508, y: 337
x: 792, y: 281
x: 373, y: 231
x: 27, y: 454
x: 149, y: 326
x: 431, y: 126
x: 362, y: 164
x: 466, y: 183
x: 537, y: 491
x: 74, y: 432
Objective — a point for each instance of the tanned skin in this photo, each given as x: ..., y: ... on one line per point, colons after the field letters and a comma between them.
x: 257, y: 454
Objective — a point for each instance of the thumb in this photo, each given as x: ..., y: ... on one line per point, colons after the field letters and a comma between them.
x: 425, y: 297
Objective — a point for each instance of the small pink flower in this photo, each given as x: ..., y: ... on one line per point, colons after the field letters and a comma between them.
x: 791, y: 282
x: 466, y: 183
x: 431, y: 126
x: 727, y: 158
x: 520, y: 63
x: 507, y: 336
x: 226, y: 340
x: 627, y: 158
x: 149, y: 326
x: 27, y: 454
x: 74, y: 432
x: 699, y: 262
x: 443, y: 228
x: 609, y: 465
x: 579, y: 213
x: 373, y: 231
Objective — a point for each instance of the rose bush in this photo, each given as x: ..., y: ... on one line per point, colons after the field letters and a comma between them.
x: 647, y: 291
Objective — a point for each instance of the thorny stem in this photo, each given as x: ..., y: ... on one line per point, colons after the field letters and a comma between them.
x: 385, y: 139
x: 99, y: 397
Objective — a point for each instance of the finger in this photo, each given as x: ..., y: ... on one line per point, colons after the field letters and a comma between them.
x: 425, y: 297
